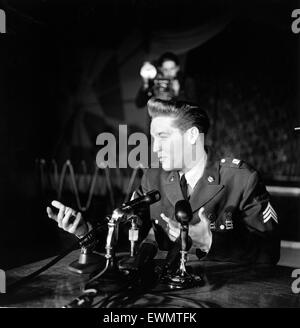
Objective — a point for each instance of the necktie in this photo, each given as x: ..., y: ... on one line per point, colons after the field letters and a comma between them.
x: 184, y: 187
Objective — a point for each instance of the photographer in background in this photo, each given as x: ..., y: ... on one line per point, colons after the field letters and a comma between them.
x: 165, y: 82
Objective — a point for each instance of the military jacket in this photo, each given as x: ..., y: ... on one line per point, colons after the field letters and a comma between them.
x: 243, y: 223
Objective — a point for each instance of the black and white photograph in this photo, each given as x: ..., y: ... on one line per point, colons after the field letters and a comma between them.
x: 150, y: 157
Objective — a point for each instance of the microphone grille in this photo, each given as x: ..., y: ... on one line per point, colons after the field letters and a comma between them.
x: 153, y: 196
x: 183, y: 211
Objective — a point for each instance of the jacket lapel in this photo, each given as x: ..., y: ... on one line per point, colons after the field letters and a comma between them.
x: 207, y: 187
x: 171, y: 184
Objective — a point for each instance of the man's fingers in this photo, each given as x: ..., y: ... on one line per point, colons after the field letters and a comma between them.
x: 49, y: 212
x: 65, y: 221
x: 63, y: 210
x: 63, y: 218
x: 57, y: 204
x: 174, y: 233
x: 75, y: 223
x: 77, y: 220
x: 51, y: 215
x: 204, y: 221
x: 61, y: 215
x: 166, y: 219
x: 202, y: 214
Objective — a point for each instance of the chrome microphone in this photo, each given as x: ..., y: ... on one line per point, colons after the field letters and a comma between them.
x: 153, y: 196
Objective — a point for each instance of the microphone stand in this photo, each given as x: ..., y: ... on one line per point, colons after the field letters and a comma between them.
x: 181, y: 278
x: 88, y: 260
x: 126, y: 263
x: 110, y: 270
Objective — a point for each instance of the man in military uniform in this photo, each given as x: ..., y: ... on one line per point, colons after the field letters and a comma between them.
x: 233, y: 219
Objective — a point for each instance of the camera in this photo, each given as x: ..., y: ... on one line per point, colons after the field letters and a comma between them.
x: 162, y: 88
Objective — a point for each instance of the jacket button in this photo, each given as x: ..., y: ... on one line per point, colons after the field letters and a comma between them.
x: 222, y: 227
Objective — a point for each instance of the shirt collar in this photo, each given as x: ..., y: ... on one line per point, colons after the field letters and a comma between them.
x: 194, y: 174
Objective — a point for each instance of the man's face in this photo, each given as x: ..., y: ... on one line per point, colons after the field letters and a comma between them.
x: 169, y: 69
x: 170, y: 143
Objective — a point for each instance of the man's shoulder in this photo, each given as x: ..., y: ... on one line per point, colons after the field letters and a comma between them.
x: 238, y: 174
x: 235, y: 166
x: 235, y: 163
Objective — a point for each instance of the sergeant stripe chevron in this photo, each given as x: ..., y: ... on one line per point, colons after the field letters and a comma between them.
x: 269, y: 213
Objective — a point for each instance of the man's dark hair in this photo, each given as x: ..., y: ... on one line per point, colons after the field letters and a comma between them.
x: 167, y: 56
x: 186, y: 114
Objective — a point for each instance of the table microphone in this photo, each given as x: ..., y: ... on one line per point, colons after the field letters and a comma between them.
x: 183, y: 215
x: 181, y: 278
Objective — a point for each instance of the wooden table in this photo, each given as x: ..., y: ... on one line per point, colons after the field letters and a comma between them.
x: 226, y: 285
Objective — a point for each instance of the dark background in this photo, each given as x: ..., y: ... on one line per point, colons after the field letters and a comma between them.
x: 247, y: 78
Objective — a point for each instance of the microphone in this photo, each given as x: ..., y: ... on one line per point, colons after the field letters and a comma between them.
x: 183, y: 212
x: 183, y: 215
x: 149, y: 198
x: 181, y: 278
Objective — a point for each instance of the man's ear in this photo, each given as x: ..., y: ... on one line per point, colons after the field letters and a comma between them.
x: 192, y: 134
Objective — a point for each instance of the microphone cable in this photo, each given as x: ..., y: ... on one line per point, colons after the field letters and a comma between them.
x: 86, y: 299
x: 139, y: 281
x: 85, y: 240
x: 127, y: 291
x: 98, y: 275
